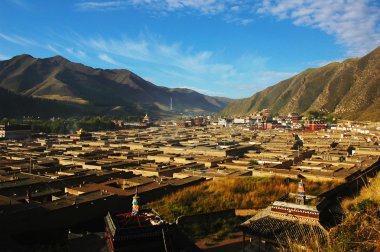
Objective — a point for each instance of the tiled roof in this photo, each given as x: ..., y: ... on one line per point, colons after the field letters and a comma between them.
x: 283, y: 231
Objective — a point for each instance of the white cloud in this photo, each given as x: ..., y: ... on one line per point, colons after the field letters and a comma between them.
x: 108, y: 59
x: 100, y: 5
x: 15, y: 39
x: 235, y: 8
x: 175, y: 65
x: 53, y: 49
x: 354, y: 23
x: 152, y: 51
x: 76, y: 52
x: 231, y: 18
x: 230, y: 10
x: 202, y: 6
x: 124, y: 47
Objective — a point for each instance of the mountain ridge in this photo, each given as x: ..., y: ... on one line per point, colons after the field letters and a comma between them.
x: 349, y: 90
x: 56, y: 78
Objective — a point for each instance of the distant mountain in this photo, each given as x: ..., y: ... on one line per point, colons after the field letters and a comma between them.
x: 96, y: 91
x: 350, y: 90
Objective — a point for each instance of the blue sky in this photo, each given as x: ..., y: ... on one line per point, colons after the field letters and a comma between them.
x: 224, y: 48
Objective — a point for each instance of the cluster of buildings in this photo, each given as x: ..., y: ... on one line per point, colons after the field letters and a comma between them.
x: 265, y: 121
x: 15, y: 131
x: 53, y: 183
x: 262, y: 120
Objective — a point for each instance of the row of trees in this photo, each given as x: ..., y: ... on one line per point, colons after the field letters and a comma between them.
x: 320, y: 115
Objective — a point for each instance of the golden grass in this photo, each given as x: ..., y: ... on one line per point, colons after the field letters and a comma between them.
x: 63, y: 98
x: 360, y: 231
x: 369, y: 192
x: 229, y: 193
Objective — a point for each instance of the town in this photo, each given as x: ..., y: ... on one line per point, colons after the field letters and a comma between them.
x: 52, y: 184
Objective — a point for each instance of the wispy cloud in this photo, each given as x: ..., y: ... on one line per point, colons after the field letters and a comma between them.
x: 17, y: 39
x: 152, y: 51
x: 203, y: 6
x: 124, y: 47
x: 172, y: 64
x: 101, y: 5
x: 54, y: 49
x: 76, y: 52
x: 231, y: 11
x: 231, y: 18
x: 106, y: 58
x: 352, y: 22
x: 176, y: 65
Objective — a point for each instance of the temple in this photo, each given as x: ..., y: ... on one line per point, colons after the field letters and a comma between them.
x: 143, y: 230
x: 297, y: 219
x: 81, y: 135
x: 146, y: 119
x: 301, y: 197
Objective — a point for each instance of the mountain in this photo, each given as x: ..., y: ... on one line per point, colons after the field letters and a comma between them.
x: 97, y: 91
x: 13, y: 105
x: 349, y: 90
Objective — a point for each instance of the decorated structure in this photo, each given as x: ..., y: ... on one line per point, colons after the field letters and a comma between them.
x: 301, y: 197
x: 295, y: 219
x: 81, y: 135
x: 146, y: 119
x: 135, y: 204
x: 143, y: 230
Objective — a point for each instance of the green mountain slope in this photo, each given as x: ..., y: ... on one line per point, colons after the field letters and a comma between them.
x: 350, y: 90
x: 106, y: 91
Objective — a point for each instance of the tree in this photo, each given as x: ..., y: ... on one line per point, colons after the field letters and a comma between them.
x: 253, y: 162
x: 297, y: 144
x: 350, y: 150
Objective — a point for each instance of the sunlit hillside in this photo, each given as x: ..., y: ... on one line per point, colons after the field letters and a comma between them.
x: 360, y: 231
